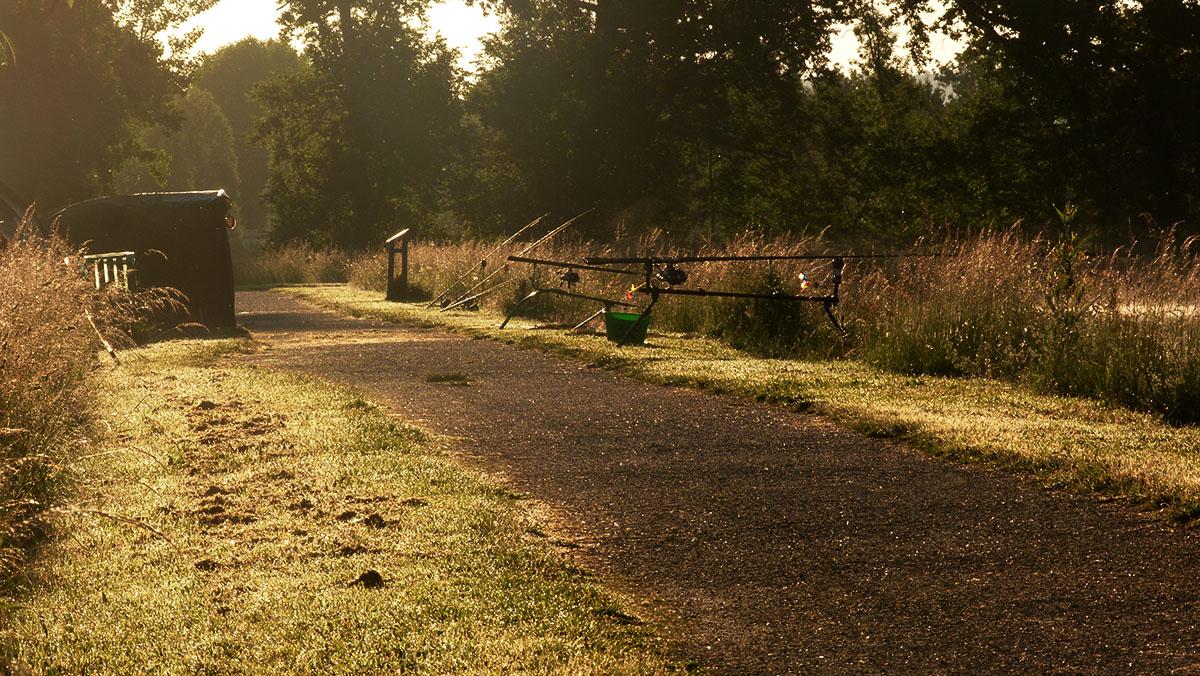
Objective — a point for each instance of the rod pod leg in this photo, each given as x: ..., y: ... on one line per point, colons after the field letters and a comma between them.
x: 828, y: 305
x: 645, y: 313
x: 583, y: 323
x: 513, y: 312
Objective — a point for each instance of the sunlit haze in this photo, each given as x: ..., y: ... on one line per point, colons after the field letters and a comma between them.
x: 229, y: 21
x: 462, y: 26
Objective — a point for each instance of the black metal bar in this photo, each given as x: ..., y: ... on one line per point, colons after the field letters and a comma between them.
x: 396, y: 290
x: 828, y: 305
x: 604, y: 260
x: 572, y: 266
x: 513, y: 312
x: 404, y: 266
x: 735, y: 294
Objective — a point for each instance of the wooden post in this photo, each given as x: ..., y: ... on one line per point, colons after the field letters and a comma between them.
x: 397, y: 289
x: 404, y: 266
x: 391, y: 273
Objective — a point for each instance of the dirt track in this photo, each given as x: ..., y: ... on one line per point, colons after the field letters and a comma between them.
x: 772, y: 541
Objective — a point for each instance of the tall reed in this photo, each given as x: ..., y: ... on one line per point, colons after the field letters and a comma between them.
x: 794, y: 329
x: 294, y: 263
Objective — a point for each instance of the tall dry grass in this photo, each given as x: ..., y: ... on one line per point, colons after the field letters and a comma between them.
x: 764, y: 327
x: 1044, y: 312
x: 289, y: 264
x: 48, y: 356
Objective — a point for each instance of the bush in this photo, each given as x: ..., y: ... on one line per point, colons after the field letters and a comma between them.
x: 972, y: 310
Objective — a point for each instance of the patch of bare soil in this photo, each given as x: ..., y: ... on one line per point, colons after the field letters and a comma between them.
x: 771, y: 541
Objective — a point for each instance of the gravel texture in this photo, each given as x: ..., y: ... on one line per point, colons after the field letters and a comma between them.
x: 768, y: 541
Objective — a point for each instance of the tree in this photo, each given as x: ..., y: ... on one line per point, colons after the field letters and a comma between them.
x: 618, y: 103
x: 360, y: 139
x: 199, y: 155
x: 85, y: 82
x: 1119, y: 81
x: 231, y: 75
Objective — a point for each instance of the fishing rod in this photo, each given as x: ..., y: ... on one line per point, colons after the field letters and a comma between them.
x: 483, y: 261
x: 461, y: 300
x: 631, y: 260
x: 481, y: 294
x: 571, y: 266
x: 663, y: 278
x: 567, y: 293
x: 568, y: 277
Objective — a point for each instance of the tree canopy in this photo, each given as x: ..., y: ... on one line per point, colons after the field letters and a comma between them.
x: 231, y: 75
x: 87, y: 77
x: 360, y: 138
x: 693, y: 116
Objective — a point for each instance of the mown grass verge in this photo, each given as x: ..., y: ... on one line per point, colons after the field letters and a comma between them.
x: 269, y: 495
x: 1069, y: 441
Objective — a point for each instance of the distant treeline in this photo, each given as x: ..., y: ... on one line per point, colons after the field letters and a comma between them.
x: 692, y: 116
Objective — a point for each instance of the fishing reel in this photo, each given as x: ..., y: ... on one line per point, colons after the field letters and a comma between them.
x: 671, y: 275
x: 568, y: 278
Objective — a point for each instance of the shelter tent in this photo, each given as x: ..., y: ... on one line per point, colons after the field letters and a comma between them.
x: 181, y: 241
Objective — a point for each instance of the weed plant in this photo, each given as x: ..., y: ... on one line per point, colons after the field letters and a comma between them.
x: 1120, y: 328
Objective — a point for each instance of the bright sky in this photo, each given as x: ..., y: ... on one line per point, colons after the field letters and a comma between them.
x: 231, y: 20
x: 461, y: 25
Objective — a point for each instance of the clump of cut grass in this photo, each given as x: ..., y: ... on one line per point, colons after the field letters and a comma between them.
x: 449, y: 378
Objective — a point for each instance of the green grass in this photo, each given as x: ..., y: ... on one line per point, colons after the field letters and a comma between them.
x: 270, y: 494
x: 1067, y: 441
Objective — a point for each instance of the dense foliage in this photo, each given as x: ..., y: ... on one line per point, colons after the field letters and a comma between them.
x: 231, y: 76
x: 82, y: 82
x: 710, y: 116
x: 359, y: 138
x: 700, y: 117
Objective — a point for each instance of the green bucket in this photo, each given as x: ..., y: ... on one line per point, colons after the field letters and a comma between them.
x: 624, y: 328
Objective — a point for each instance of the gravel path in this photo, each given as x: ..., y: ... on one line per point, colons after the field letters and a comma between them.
x: 767, y: 541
